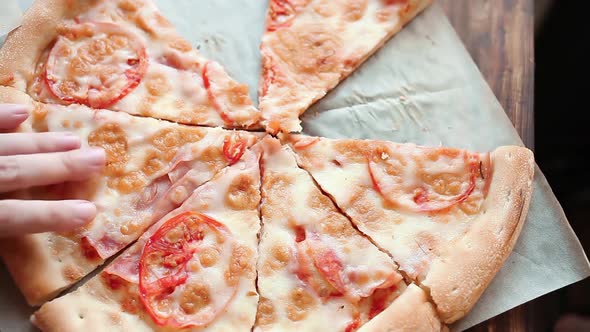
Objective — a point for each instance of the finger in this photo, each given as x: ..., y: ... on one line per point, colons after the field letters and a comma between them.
x: 21, y: 217
x: 12, y: 115
x: 29, y: 143
x: 24, y: 171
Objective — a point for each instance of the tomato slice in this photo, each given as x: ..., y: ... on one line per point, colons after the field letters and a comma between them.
x: 427, y: 180
x: 95, y: 64
x: 309, y: 274
x: 233, y: 148
x: 323, y: 269
x: 281, y: 13
x: 178, y: 286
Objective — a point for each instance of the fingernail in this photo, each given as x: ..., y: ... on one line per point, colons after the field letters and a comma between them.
x: 92, y: 157
x: 84, y: 212
x: 15, y: 109
x: 68, y: 140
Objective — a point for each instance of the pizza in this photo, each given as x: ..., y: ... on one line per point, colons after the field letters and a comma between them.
x: 221, y: 229
x: 151, y: 166
x: 314, y: 264
x: 194, y: 268
x: 121, y: 55
x: 448, y: 217
x: 309, y: 46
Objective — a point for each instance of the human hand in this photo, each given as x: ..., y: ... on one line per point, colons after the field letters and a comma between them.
x: 38, y: 159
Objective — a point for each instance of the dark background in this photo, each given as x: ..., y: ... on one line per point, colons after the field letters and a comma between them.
x: 562, y: 138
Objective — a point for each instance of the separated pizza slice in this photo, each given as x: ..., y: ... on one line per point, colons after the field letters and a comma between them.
x: 121, y: 55
x: 316, y: 272
x: 194, y: 270
x: 309, y: 46
x: 151, y: 168
x: 448, y: 217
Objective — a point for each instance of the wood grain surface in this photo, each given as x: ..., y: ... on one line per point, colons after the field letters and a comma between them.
x: 499, y: 35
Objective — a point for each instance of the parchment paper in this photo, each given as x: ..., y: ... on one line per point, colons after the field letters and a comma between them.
x: 422, y: 87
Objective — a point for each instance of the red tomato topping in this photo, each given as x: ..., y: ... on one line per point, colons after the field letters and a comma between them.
x: 164, y: 270
x: 353, y: 325
x: 419, y: 194
x: 305, y: 142
x: 299, y: 234
x: 95, y: 64
x: 233, y: 148
x: 280, y: 14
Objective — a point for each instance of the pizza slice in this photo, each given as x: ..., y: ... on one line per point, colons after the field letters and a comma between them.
x: 448, y: 217
x: 309, y: 46
x: 121, y: 55
x: 152, y: 166
x: 315, y: 270
x: 194, y: 270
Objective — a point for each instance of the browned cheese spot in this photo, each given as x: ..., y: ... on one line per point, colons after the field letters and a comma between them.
x: 157, y: 84
x: 213, y: 156
x: 299, y: 304
x: 195, y: 297
x: 309, y: 50
x: 279, y: 258
x: 208, y: 256
x: 243, y: 193
x: 239, y: 265
x: 355, y: 9
x: 40, y: 118
x: 112, y: 138
x: 266, y: 312
x: 337, y: 225
x: 129, y: 5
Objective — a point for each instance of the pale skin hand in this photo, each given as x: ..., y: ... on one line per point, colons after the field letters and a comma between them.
x: 37, y: 159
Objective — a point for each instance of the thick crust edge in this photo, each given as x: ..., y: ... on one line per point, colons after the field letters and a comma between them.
x: 461, y: 273
x: 30, y: 265
x: 86, y: 309
x: 410, y: 312
x: 25, y: 44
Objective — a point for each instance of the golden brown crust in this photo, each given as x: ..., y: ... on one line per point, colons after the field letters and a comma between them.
x: 410, y: 312
x: 25, y: 44
x: 461, y: 273
x: 86, y: 309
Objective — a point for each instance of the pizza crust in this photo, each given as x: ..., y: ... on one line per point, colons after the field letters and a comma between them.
x: 84, y: 310
x: 24, y: 45
x: 461, y: 273
x: 410, y: 312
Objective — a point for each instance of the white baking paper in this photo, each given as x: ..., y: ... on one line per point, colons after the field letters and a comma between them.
x: 422, y: 87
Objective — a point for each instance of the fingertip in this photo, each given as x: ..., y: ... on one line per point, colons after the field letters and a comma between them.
x: 83, y: 212
x: 12, y: 115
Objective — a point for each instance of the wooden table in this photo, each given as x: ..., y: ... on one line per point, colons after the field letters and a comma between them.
x: 499, y: 35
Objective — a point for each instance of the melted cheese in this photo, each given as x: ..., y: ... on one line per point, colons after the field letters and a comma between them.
x: 291, y: 201
x: 172, y: 88
x: 413, y: 238
x: 209, y: 199
x: 309, y: 53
